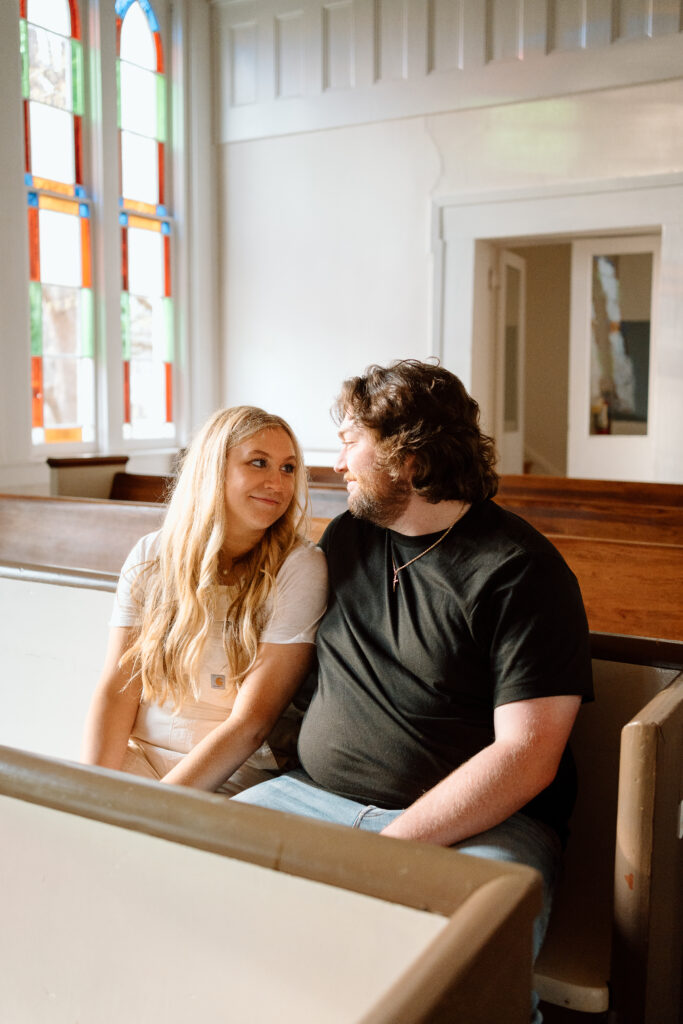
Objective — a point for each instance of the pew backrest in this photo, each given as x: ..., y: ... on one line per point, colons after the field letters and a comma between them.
x: 140, y: 487
x: 243, y: 895
x: 573, y: 489
x: 78, y: 533
x: 656, y: 524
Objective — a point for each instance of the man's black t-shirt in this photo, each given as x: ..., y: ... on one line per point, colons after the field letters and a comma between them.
x: 408, y: 679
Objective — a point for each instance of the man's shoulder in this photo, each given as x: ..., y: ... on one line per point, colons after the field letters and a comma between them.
x: 347, y: 529
x: 495, y: 528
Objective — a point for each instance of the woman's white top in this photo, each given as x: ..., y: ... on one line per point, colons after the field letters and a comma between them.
x: 291, y: 616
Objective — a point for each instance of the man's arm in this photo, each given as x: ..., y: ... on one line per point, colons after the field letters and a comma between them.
x: 530, y: 737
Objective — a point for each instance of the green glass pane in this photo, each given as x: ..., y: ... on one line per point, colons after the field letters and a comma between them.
x: 23, y: 45
x: 87, y: 321
x: 125, y: 325
x: 35, y: 295
x: 168, y: 318
x: 161, y: 108
x: 77, y: 75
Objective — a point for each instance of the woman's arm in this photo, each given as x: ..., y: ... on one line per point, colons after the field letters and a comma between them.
x: 113, y: 708
x: 264, y: 694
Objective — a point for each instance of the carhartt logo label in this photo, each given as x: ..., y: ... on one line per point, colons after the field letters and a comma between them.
x: 218, y: 682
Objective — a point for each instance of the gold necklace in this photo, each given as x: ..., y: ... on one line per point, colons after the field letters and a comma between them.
x: 398, y: 568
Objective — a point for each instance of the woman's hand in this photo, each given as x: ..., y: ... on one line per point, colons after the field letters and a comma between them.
x: 263, y: 695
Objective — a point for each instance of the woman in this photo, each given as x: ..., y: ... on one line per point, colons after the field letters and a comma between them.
x: 215, y: 615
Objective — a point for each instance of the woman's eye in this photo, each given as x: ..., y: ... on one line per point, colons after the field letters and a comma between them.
x: 288, y: 467
x: 258, y: 462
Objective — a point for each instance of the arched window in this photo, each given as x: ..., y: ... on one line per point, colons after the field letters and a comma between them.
x: 146, y: 298
x: 60, y: 289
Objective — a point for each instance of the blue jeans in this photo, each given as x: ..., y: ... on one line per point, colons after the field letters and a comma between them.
x: 520, y: 839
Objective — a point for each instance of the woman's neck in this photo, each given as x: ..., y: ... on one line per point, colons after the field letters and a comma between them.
x: 234, y: 550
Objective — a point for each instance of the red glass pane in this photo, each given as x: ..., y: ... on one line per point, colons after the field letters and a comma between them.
x: 160, y: 52
x: 167, y: 266
x: 162, y: 176
x: 124, y: 259
x: 85, y: 252
x: 75, y: 20
x: 169, y: 392
x: 34, y: 243
x: 126, y: 391
x: 27, y: 139
x: 78, y: 149
x: 37, y: 391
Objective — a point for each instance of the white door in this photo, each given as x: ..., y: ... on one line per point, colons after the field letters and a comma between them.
x: 510, y: 348
x: 611, y: 343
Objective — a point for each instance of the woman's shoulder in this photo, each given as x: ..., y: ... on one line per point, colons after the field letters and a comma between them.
x: 144, y: 550
x: 304, y: 559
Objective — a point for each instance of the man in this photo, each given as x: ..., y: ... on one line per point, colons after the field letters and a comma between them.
x: 454, y: 653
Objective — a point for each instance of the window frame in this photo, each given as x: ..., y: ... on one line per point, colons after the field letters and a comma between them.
x: 100, y: 161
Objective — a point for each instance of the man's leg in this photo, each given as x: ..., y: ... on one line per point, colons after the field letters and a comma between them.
x: 296, y: 793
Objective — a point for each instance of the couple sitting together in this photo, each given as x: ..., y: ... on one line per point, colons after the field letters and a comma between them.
x: 438, y: 642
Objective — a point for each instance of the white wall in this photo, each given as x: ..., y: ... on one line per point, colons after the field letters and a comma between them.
x: 328, y: 263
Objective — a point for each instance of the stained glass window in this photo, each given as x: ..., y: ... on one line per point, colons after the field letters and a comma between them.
x: 146, y: 295
x: 60, y: 289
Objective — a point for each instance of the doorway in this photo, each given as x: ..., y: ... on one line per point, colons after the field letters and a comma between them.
x: 573, y: 350
x: 469, y: 231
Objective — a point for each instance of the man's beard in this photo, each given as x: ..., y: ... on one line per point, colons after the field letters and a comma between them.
x: 379, y: 500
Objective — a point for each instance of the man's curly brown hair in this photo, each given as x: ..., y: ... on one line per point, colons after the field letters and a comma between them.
x: 423, y: 410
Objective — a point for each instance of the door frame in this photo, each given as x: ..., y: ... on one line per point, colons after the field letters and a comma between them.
x: 463, y: 230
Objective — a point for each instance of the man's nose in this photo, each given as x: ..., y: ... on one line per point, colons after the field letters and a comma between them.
x: 340, y: 465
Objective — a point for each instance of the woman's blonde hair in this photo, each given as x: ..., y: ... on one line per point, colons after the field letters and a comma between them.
x: 177, y: 590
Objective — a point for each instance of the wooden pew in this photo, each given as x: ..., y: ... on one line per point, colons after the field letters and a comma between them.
x: 615, y: 939
x: 657, y: 524
x: 554, y: 505
x: 126, y: 900
x: 572, y: 489
x: 629, y: 587
x: 140, y: 487
x: 53, y: 640
x: 77, y: 533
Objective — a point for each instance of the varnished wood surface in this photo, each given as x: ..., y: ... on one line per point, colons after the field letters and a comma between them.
x: 574, y: 489
x: 76, y: 533
x: 140, y: 487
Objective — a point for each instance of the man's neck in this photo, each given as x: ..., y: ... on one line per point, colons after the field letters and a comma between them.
x: 420, y: 517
